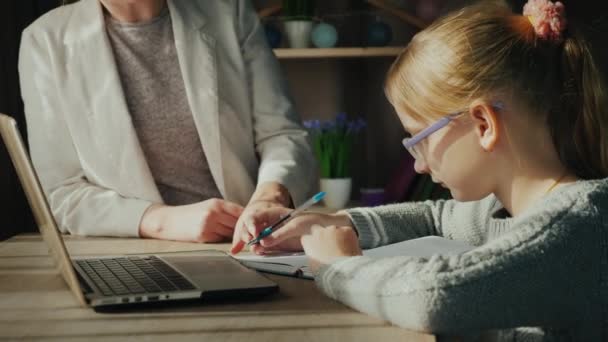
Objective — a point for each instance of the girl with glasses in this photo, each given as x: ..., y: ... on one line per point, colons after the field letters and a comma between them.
x: 524, y: 153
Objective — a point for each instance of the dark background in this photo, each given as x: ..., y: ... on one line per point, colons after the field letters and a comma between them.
x: 15, y: 15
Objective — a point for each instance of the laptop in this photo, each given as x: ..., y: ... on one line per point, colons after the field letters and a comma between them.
x: 124, y: 280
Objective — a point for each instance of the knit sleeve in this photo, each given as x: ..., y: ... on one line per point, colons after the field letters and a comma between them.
x: 532, y: 276
x: 398, y: 222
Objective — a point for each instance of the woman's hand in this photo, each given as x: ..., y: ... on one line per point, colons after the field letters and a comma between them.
x: 325, y: 244
x: 269, y: 195
x: 212, y: 220
x: 246, y: 227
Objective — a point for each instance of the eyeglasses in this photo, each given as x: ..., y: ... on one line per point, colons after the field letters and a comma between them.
x: 411, y: 142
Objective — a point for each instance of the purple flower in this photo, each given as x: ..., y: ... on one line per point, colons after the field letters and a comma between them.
x: 312, y: 125
x: 355, y: 127
x: 340, y: 124
x: 316, y: 124
x: 332, y: 142
x: 328, y: 125
x: 341, y: 120
x: 361, y: 124
x: 351, y: 127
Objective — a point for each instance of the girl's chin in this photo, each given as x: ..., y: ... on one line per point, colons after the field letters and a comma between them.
x: 458, y: 195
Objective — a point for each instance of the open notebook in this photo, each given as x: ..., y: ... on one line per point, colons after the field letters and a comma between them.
x: 296, y: 264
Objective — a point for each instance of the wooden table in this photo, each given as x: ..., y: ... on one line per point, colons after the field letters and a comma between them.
x: 35, y: 303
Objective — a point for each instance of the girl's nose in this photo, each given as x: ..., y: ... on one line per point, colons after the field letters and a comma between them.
x: 421, y: 166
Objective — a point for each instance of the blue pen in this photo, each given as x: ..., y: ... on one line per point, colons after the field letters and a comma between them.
x: 268, y: 230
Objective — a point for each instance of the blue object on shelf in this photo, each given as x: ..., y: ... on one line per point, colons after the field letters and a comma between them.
x: 379, y: 34
x: 273, y: 35
x: 324, y: 35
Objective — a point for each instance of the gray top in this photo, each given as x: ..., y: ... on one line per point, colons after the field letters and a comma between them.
x: 151, y: 78
x: 546, y: 269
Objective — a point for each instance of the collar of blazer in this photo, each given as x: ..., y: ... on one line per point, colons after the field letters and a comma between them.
x: 100, y: 91
x: 90, y: 12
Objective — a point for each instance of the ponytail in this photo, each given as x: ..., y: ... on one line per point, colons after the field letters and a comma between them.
x: 579, y: 119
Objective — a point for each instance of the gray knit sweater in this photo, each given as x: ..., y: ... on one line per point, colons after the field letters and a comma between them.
x: 540, y: 276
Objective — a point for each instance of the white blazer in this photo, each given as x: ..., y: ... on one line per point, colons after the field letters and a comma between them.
x: 82, y: 141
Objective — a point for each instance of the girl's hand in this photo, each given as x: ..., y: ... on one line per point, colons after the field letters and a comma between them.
x: 325, y: 244
x: 212, y: 220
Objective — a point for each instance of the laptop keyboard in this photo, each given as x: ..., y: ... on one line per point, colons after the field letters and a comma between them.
x: 133, y: 275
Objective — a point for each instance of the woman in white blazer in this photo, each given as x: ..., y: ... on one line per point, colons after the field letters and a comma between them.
x: 87, y: 151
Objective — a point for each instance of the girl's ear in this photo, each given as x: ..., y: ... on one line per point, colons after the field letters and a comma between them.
x: 485, y: 121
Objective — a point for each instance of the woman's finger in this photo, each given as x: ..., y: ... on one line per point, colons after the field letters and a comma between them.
x: 223, y: 230
x: 280, y: 234
x: 225, y: 219
x: 231, y: 209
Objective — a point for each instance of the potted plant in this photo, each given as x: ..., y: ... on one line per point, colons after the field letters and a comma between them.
x: 298, y: 21
x: 332, y: 144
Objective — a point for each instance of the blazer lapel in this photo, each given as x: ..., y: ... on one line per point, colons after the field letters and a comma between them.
x: 197, y: 59
x: 96, y: 84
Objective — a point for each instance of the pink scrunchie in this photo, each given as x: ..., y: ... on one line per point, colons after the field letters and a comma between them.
x: 548, y: 18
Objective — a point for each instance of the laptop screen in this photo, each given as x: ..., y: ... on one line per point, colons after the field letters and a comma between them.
x: 37, y: 200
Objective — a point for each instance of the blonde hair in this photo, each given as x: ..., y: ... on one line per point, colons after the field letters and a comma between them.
x: 486, y: 49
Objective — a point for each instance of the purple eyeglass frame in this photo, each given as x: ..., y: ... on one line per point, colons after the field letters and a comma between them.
x: 408, y: 143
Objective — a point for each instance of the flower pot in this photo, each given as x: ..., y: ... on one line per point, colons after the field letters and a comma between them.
x: 298, y: 33
x: 337, y: 192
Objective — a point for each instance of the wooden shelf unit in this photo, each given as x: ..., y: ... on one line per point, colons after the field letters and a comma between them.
x: 341, y: 52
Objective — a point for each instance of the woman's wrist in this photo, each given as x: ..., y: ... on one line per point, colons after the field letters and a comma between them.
x: 152, y: 221
x: 273, y: 192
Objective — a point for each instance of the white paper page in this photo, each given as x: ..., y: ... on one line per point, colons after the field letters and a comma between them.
x: 294, y: 259
x: 420, y: 247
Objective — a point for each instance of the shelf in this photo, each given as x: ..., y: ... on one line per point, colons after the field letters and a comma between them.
x: 347, y: 52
